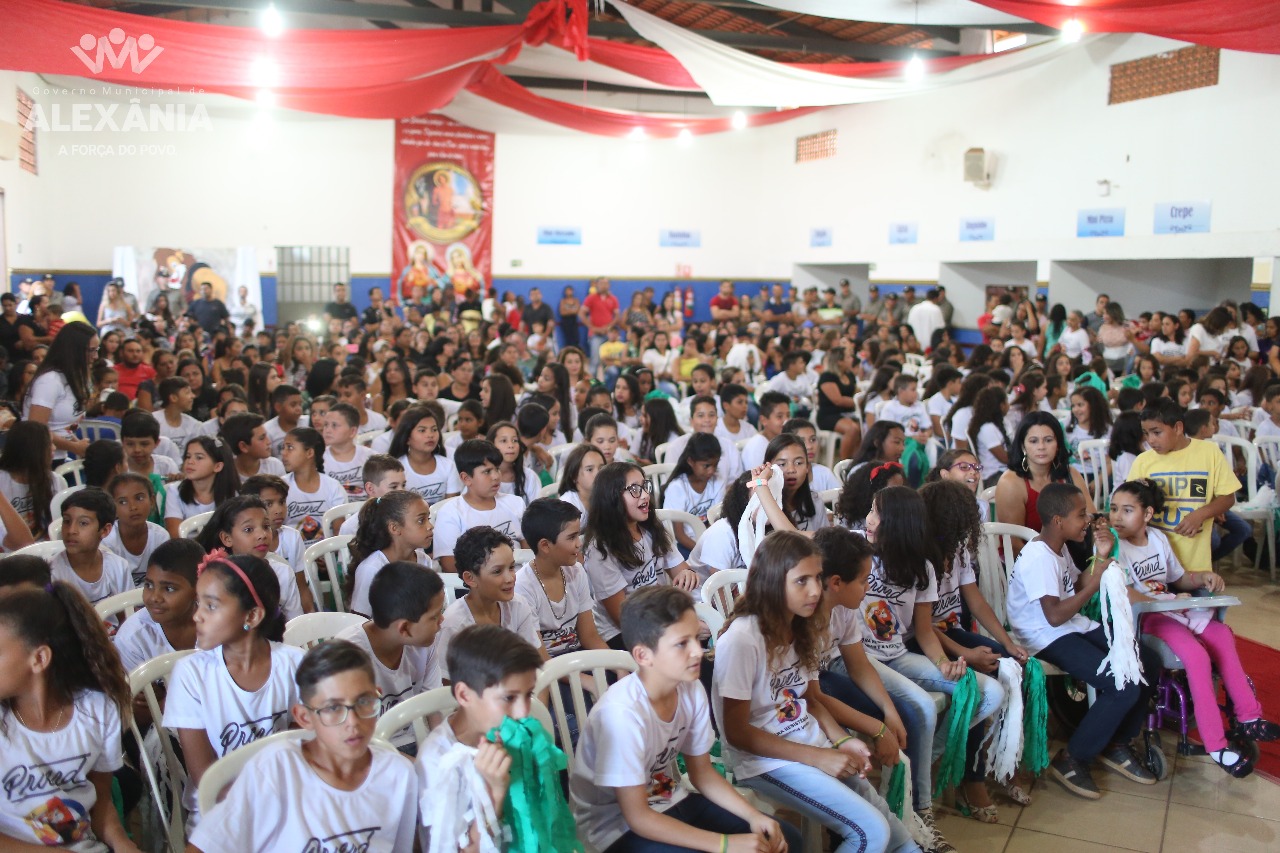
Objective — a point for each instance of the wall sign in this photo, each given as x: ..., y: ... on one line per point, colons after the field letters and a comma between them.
x: 1100, y: 222
x: 1183, y: 217
x: 819, y: 237
x: 559, y: 236
x: 687, y: 239
x: 903, y: 232
x: 976, y: 229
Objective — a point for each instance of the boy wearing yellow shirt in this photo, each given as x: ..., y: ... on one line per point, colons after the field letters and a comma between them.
x: 1197, y: 481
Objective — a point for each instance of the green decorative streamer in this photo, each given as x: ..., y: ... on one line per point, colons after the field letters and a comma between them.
x: 1035, y: 718
x: 896, y: 796
x: 535, y: 811
x: 964, y: 701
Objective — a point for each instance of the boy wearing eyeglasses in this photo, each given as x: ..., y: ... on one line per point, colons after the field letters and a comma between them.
x: 339, y: 785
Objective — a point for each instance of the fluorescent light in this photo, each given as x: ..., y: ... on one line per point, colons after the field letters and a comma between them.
x: 915, y: 68
x: 685, y: 136
x: 637, y: 133
x: 739, y: 120
x: 271, y: 23
x: 1072, y: 30
x: 264, y: 73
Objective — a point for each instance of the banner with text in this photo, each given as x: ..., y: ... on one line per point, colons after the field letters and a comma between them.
x: 443, y: 208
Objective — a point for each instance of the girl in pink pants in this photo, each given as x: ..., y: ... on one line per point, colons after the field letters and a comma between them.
x: 1202, y: 643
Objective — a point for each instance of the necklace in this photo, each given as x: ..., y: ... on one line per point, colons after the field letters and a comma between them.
x: 57, y: 725
x: 564, y: 611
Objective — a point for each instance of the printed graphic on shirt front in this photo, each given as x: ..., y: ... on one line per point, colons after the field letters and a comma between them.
x: 25, y: 506
x: 789, y: 704
x: 236, y: 735
x: 309, y: 523
x: 355, y: 841
x: 1185, y: 492
x: 1150, y: 572
x: 647, y: 576
x: 948, y: 603
x: 879, y: 616
x: 58, y: 822
x: 701, y: 508
x: 662, y: 786
x: 560, y: 640
x: 432, y: 493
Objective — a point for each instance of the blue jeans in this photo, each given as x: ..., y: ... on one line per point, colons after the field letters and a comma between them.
x: 850, y: 808
x: 921, y: 671
x: 1116, y: 716
x: 1238, y: 531
x: 593, y: 344
x: 699, y: 812
x: 920, y: 717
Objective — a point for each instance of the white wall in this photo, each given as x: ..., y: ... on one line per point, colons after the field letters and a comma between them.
x: 966, y: 284
x: 1152, y: 284
x: 312, y: 180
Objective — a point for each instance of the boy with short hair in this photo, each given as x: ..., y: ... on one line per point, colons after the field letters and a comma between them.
x: 140, y: 435
x: 113, y: 408
x: 286, y: 402
x: 554, y: 583
x: 705, y: 420
x: 352, y: 390
x: 381, y: 474
x: 702, y: 383
x: 165, y: 623
x: 1197, y: 480
x: 1271, y: 407
x: 948, y: 380
x: 1200, y: 424
x: 623, y: 786
x: 176, y: 400
x: 343, y: 458
x: 492, y: 675
x: 775, y: 409
x: 103, y: 459
x: 1046, y: 593
x: 320, y: 407
x: 485, y: 559
x: 733, y: 424
x: 1214, y: 402
x: 407, y: 602
x: 821, y: 477
x: 133, y: 538
x: 246, y: 435
x: 794, y: 380
x: 87, y: 518
x: 285, y: 541
x: 905, y: 408
x: 480, y: 505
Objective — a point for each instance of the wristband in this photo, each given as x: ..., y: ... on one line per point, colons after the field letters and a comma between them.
x: 724, y: 844
x: 875, y: 737
x: 940, y: 661
x: 836, y: 745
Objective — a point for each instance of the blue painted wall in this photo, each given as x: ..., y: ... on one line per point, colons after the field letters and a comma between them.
x: 91, y: 286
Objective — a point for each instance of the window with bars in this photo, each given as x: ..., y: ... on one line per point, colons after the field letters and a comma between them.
x: 305, y: 276
x: 27, y: 141
x: 816, y: 146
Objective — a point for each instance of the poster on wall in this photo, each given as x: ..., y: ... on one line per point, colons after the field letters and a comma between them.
x: 178, y: 272
x: 443, y: 206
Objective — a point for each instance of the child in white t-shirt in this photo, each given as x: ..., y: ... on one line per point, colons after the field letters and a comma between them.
x: 209, y: 478
x: 408, y: 603
x: 480, y: 505
x: 704, y: 420
x: 274, y: 493
x: 821, y: 477
x: 554, y: 583
x: 176, y: 399
x: 905, y: 408
x: 578, y: 476
x: 392, y: 528
x: 768, y: 702
x: 626, y: 547
x: 947, y: 380
x: 239, y: 686
x: 353, y: 391
x: 623, y: 784
x: 62, y: 714
x: 381, y: 474
x: 338, y: 786
x: 240, y: 527
x: 343, y: 458
x: 486, y: 564
x: 165, y: 623
x: 87, y: 519
x: 312, y: 492
x: 132, y: 537
x: 695, y: 484
x: 416, y: 443
x: 246, y: 435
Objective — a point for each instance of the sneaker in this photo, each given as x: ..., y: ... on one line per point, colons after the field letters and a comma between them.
x: 936, y: 844
x: 1074, y: 776
x: 1263, y: 730
x: 1121, y: 758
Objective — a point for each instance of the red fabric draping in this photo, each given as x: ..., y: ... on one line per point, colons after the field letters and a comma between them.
x: 1250, y: 25
x: 494, y: 86
x: 564, y: 21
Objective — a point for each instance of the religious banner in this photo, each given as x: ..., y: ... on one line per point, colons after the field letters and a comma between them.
x: 443, y: 207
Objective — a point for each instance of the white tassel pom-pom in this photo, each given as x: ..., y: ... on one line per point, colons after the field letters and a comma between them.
x: 752, y: 524
x: 458, y: 797
x: 1118, y: 625
x: 1004, y: 731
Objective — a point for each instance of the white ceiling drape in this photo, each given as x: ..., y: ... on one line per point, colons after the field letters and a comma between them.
x: 944, y: 13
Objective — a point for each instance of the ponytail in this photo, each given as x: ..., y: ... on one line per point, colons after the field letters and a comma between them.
x: 313, y: 441
x: 1148, y: 492
x: 374, y: 530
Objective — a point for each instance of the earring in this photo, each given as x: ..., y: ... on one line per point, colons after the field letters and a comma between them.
x: 246, y: 626
x: 1025, y: 465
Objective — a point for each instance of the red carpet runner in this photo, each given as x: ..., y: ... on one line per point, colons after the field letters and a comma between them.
x: 1263, y: 665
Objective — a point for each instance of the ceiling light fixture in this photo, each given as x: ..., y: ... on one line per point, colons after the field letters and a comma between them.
x: 685, y: 136
x: 1072, y: 30
x: 915, y: 68
x: 637, y: 133
x: 271, y: 22
x: 739, y: 120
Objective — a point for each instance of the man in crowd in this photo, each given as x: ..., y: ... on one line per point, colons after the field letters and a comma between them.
x: 849, y: 301
x: 599, y: 313
x: 1094, y: 320
x: 340, y: 309
x: 210, y: 313
x: 724, y: 305
x: 537, y: 311
x: 925, y: 317
x: 131, y: 369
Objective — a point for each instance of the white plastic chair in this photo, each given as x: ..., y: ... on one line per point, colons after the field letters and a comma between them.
x: 55, y: 505
x: 828, y: 441
x: 657, y: 473
x: 829, y: 497
x: 122, y: 604
x: 1099, y: 469
x: 326, y: 553
x: 93, y: 429
x: 523, y: 555
x: 550, y: 490
x: 713, y: 514
x: 74, y: 469
x: 661, y: 451
x: 1261, y: 514
x: 713, y: 619
x: 416, y: 711
x: 309, y: 629
x: 1269, y: 451
x: 55, y: 530
x: 993, y: 573
x: 366, y: 438
x: 435, y: 507
x: 191, y: 527
x: 169, y: 804
x: 671, y: 517
x: 224, y: 771
x: 841, y: 469
x: 453, y: 586
x: 339, y: 514
x: 567, y: 667
x: 989, y: 494
x: 722, y: 588
x: 43, y: 550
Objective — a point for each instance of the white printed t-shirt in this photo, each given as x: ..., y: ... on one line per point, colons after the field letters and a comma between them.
x: 293, y: 809
x: 515, y: 615
x: 888, y: 611
x: 19, y: 494
x: 156, y: 536
x: 946, y: 610
x: 176, y: 507
x: 349, y: 474
x: 418, y: 672
x: 1153, y: 567
x: 115, y: 577
x: 557, y: 621
x: 306, y: 510
x: 140, y: 639
x: 458, y: 516
x: 367, y: 571
x: 844, y: 629
x: 775, y: 690
x: 1037, y: 573
x: 434, y: 486
x: 608, y: 576
x: 624, y: 744
x: 49, y: 795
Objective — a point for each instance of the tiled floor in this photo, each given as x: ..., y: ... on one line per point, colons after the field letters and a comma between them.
x: 1199, y: 809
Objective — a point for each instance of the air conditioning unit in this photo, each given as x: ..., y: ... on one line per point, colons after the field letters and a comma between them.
x: 10, y: 133
x: 978, y: 166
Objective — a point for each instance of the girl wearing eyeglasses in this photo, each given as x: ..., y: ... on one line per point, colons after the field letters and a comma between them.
x: 339, y: 785
x: 625, y: 546
x: 241, y: 690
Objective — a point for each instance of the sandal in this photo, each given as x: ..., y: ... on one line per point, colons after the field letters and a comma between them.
x: 1017, y: 794
x: 982, y: 814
